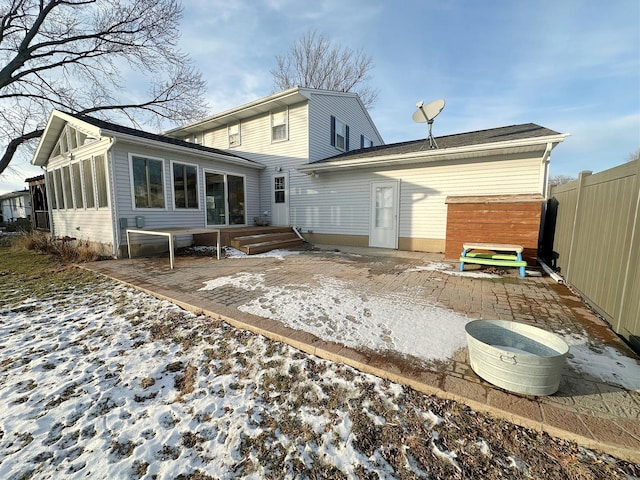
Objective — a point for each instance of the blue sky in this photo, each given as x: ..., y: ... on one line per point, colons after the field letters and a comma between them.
x: 572, y: 66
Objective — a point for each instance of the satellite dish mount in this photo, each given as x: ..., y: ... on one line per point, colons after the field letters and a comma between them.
x: 426, y: 113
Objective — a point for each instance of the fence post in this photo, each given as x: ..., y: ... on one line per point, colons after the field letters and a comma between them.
x: 574, y: 230
x: 631, y: 268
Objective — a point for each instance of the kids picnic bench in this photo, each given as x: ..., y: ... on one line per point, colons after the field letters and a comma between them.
x: 505, y: 255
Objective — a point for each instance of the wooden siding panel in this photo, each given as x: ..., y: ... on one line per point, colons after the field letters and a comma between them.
x: 493, y: 223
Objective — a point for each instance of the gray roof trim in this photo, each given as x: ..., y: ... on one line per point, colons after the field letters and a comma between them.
x: 512, y: 139
x: 105, y: 128
x: 262, y: 105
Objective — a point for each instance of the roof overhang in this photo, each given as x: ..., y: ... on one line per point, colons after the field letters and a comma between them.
x: 529, y: 145
x: 191, y: 151
x: 282, y: 99
x: 53, y: 129
x: 58, y: 120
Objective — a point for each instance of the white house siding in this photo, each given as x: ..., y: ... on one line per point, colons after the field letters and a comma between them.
x: 309, y: 139
x: 169, y: 216
x: 346, y: 109
x: 256, y: 145
x: 15, y: 206
x: 338, y: 202
x: 87, y: 224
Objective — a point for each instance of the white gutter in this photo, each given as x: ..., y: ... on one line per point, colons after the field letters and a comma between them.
x: 114, y: 205
x: 432, y: 155
x: 544, y: 174
x: 49, y: 189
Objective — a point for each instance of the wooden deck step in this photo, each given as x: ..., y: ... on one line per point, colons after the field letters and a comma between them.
x: 238, y: 242
x: 269, y: 245
x: 266, y: 241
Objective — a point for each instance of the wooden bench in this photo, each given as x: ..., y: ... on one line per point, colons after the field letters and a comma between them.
x: 498, y: 259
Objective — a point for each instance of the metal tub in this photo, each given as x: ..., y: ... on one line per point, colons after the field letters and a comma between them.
x: 517, y: 357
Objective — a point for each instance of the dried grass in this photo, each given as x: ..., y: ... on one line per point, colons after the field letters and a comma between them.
x: 68, y: 249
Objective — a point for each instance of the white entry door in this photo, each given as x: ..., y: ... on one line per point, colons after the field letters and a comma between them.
x: 280, y: 199
x: 383, y: 230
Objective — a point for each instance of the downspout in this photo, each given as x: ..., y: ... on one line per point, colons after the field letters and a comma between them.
x: 546, y: 160
x: 48, y: 192
x: 114, y: 203
x: 544, y: 190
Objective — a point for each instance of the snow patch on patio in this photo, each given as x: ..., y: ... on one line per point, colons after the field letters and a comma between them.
x: 446, y: 268
x: 333, y: 311
x: 603, y: 362
x: 231, y: 252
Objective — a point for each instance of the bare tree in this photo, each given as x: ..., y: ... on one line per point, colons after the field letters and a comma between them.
x: 634, y: 156
x: 315, y: 62
x: 560, y: 179
x: 72, y: 55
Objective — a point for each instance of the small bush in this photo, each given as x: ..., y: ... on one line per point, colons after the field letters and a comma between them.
x: 68, y: 249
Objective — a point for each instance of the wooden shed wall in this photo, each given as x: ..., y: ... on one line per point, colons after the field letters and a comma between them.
x: 516, y: 223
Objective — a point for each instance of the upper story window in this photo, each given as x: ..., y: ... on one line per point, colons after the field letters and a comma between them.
x: 234, y: 134
x: 279, y: 125
x: 195, y: 138
x: 365, y: 142
x: 339, y: 134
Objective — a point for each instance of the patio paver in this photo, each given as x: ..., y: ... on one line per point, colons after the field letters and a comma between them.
x: 586, y: 410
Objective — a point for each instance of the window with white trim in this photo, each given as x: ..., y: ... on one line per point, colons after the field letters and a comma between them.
x: 225, y: 198
x: 101, y: 181
x: 87, y: 174
x: 66, y: 188
x: 233, y: 131
x: 147, y: 182
x: 52, y: 187
x: 279, y: 125
x: 77, y: 185
x: 185, y: 185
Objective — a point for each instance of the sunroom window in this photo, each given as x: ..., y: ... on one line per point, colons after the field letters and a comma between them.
x: 148, y: 181
x: 185, y: 185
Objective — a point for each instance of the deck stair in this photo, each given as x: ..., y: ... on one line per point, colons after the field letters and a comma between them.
x: 264, y: 242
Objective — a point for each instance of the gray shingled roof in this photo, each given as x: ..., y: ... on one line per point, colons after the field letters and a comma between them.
x: 493, y: 135
x: 113, y: 127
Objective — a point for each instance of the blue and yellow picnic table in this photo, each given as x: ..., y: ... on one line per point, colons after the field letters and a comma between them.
x: 494, y: 254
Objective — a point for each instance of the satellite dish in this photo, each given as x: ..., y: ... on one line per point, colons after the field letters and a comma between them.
x: 427, y: 114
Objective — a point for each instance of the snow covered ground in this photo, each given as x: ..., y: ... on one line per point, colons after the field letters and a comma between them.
x: 100, y: 381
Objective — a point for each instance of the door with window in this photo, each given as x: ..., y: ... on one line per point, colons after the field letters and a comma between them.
x: 280, y: 199
x: 224, y: 199
x: 383, y: 230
